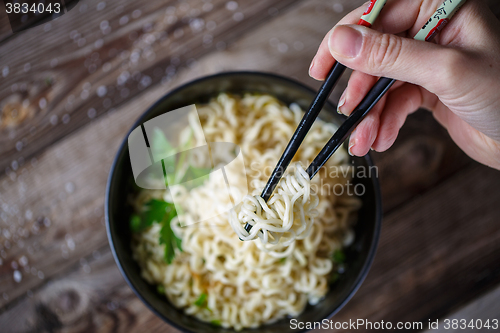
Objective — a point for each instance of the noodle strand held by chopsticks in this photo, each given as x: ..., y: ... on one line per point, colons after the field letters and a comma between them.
x: 285, y: 218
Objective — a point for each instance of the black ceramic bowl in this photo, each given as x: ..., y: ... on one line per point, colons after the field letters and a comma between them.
x: 359, y: 256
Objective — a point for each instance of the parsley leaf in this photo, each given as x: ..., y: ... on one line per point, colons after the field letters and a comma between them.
x: 177, y: 169
x: 168, y: 237
x: 202, y: 301
x: 334, y: 277
x: 153, y: 211
x: 215, y: 322
x: 197, y: 176
x: 193, y: 172
x: 339, y: 256
x: 135, y: 223
x: 160, y: 289
x: 162, y: 212
x: 160, y: 146
x: 176, y: 163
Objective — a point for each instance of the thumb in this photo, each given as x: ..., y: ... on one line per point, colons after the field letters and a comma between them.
x: 369, y: 51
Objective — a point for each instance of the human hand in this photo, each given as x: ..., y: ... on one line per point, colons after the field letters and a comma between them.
x: 457, y: 77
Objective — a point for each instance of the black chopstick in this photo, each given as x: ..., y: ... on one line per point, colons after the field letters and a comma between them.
x: 302, y: 130
x: 373, y: 96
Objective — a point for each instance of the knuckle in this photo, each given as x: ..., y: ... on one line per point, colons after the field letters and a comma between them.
x: 409, y: 104
x: 387, y: 137
x: 390, y: 131
x: 385, y: 51
x: 453, y: 66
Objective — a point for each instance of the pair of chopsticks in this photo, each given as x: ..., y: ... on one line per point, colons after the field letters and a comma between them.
x: 435, y: 24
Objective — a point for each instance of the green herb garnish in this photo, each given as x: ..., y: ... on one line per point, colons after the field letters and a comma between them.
x: 153, y: 211
x: 168, y: 237
x: 202, y: 301
x: 197, y: 176
x: 135, y: 223
x: 162, y: 212
x: 334, y: 277
x: 282, y: 260
x: 177, y: 167
x: 160, y: 146
x: 160, y: 289
x: 215, y: 322
x: 339, y: 256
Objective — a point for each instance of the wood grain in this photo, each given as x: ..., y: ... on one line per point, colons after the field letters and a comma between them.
x: 484, y: 308
x: 423, y: 155
x: 93, y: 297
x: 110, y: 61
x: 5, y: 29
x: 54, y: 204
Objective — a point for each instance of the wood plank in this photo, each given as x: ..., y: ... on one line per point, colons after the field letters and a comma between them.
x: 484, y: 309
x: 423, y: 155
x: 92, y: 297
x: 5, y: 29
x: 452, y: 262
x: 53, y: 207
x: 96, y: 58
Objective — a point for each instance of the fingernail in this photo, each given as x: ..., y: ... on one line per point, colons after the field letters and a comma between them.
x: 345, y: 41
x: 311, y: 66
x: 352, y: 142
x: 341, y: 102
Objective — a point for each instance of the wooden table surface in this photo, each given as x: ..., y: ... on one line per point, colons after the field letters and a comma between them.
x: 71, y: 88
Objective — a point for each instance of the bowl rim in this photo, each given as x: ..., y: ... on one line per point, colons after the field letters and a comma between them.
x: 376, y: 187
